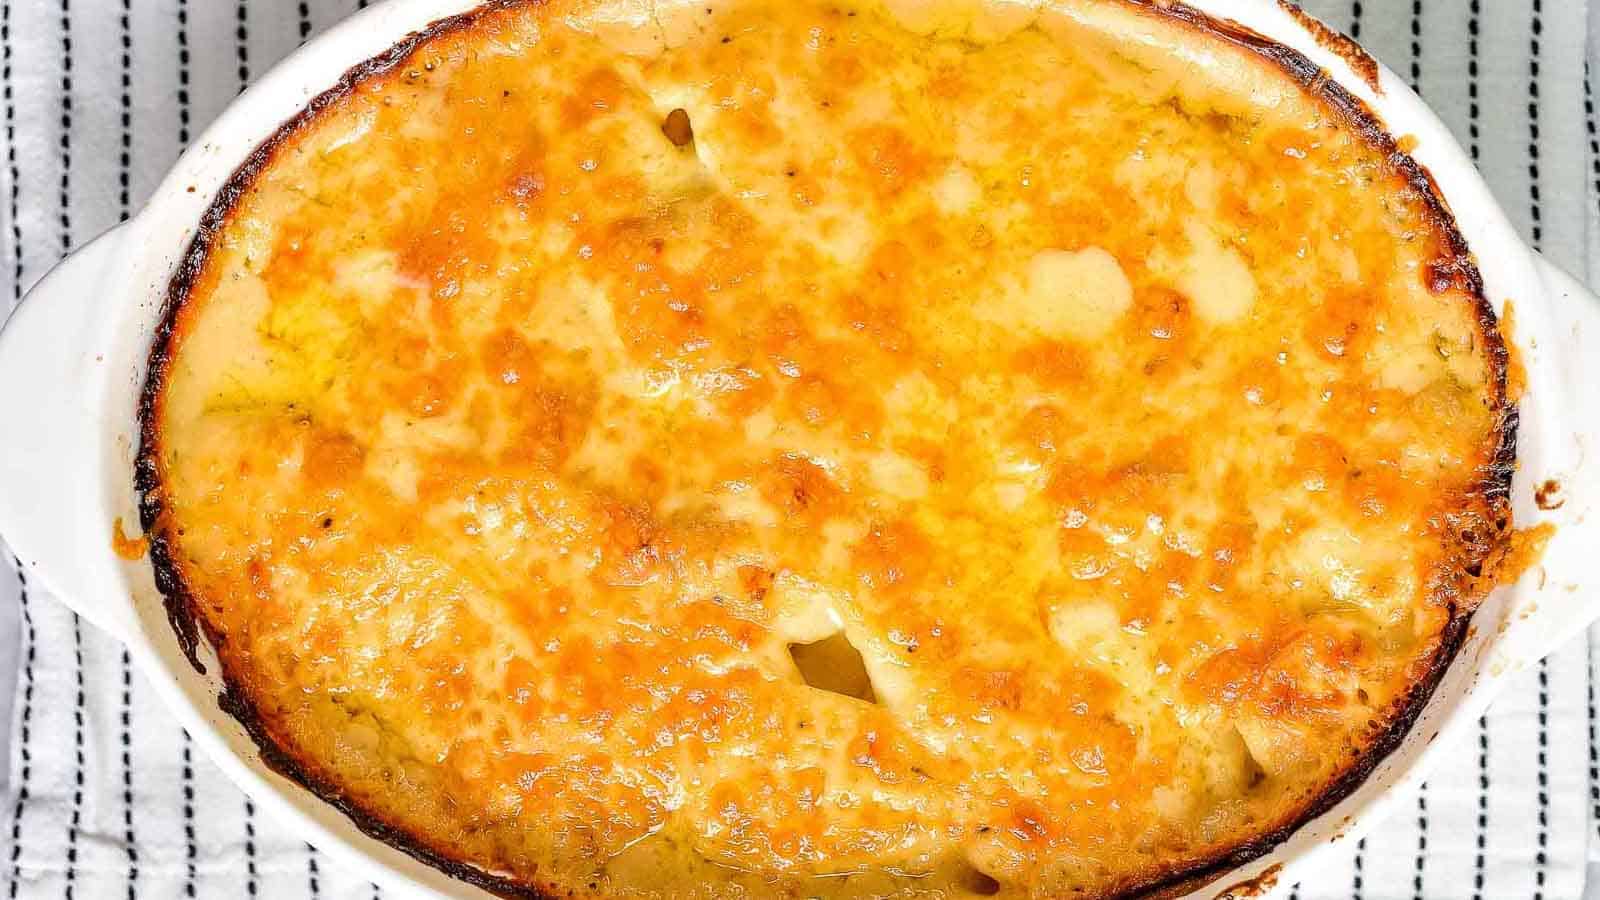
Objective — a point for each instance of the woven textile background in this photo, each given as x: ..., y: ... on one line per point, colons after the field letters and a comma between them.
x: 104, y: 795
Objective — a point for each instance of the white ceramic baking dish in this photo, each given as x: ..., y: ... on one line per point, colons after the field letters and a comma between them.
x: 73, y: 360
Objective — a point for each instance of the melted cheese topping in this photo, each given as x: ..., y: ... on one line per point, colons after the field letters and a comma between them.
x: 1092, y: 381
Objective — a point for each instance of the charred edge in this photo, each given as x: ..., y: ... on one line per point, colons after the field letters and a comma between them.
x: 240, y: 707
x: 179, y: 601
x: 1457, y: 270
x: 175, y: 596
x: 1340, y: 45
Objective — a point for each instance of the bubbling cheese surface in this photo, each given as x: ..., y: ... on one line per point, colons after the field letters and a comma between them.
x: 1122, y: 405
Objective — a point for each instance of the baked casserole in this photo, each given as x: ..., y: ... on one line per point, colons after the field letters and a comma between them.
x: 869, y: 448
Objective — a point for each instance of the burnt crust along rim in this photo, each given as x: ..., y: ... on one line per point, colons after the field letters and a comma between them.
x: 1451, y: 271
x: 1337, y: 43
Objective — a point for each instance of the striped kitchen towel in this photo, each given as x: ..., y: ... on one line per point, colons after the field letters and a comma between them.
x: 104, y: 795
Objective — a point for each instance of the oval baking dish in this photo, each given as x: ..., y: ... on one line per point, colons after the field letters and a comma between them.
x: 80, y: 458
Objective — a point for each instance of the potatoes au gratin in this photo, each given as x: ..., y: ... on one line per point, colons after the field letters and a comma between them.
x: 829, y: 448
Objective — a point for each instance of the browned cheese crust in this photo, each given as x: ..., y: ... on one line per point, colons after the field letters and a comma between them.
x: 852, y: 449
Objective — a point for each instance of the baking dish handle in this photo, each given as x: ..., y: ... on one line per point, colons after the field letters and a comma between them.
x: 1567, y: 495
x: 53, y: 514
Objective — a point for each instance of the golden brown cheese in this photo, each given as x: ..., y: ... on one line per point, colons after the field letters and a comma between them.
x: 1129, y: 409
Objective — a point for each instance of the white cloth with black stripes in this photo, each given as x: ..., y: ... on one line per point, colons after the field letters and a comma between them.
x: 104, y: 796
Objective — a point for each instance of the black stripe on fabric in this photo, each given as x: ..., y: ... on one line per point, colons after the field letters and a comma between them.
x: 1594, y: 757
x: 65, y: 140
x: 1536, y: 214
x: 1478, y: 861
x: 1541, y: 858
x: 129, y: 838
x: 77, y: 772
x: 1594, y: 153
x: 313, y: 871
x: 1360, y: 867
x: 190, y: 849
x: 242, y: 43
x: 125, y: 159
x: 183, y: 75
x: 1422, y: 842
x: 1594, y: 749
x: 11, y: 162
x: 1474, y: 11
x: 125, y: 209
x: 29, y: 634
x: 1416, y: 45
x: 1535, y: 208
x: 252, y: 876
